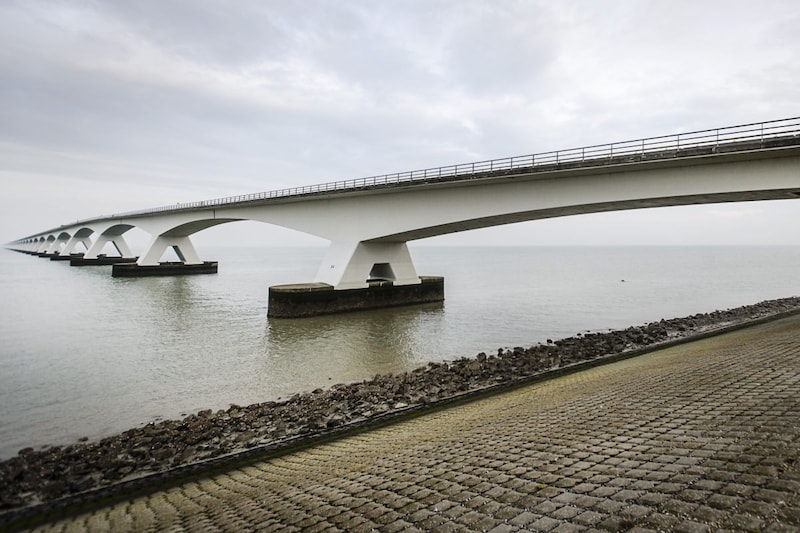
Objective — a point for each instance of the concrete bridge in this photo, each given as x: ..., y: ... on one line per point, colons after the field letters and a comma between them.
x: 370, y: 220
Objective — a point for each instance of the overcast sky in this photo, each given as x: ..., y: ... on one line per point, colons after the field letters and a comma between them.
x: 120, y: 105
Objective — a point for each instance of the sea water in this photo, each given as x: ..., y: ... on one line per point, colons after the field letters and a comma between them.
x: 83, y: 354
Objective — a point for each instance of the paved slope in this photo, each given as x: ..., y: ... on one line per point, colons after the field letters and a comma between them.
x: 692, y: 438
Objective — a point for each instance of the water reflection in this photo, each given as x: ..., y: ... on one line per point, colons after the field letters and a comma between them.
x: 346, y: 347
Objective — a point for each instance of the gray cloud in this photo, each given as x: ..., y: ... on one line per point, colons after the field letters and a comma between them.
x: 151, y: 102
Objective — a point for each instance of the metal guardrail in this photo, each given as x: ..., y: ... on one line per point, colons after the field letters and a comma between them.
x: 676, y: 145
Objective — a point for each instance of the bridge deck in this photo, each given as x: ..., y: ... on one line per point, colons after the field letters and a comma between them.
x: 692, y: 438
x: 749, y: 137
x: 763, y: 136
x: 495, y: 169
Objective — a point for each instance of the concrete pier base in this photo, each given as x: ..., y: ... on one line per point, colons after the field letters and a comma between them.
x: 312, y: 299
x: 100, y: 260
x: 132, y: 270
x: 68, y: 257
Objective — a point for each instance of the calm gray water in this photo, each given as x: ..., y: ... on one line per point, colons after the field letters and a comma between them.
x: 85, y: 354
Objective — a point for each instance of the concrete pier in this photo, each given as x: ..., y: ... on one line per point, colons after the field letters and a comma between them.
x: 133, y: 270
x: 68, y: 257
x: 312, y: 299
x: 100, y: 260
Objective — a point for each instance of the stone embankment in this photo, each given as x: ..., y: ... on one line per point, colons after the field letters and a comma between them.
x: 35, y: 476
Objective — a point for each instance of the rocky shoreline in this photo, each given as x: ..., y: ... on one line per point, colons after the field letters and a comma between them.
x: 36, y: 476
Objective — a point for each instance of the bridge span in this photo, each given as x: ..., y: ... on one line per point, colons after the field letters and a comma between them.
x: 370, y: 220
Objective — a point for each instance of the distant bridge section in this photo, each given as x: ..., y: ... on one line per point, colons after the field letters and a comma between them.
x: 370, y: 220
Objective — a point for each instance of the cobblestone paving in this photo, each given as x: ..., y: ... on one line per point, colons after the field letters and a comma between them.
x: 701, y: 437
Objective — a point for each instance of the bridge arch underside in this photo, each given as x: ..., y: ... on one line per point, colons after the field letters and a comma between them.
x: 58, y: 242
x: 45, y: 243
x: 177, y: 237
x: 580, y: 209
x: 110, y: 232
x: 79, y: 237
x: 368, y: 258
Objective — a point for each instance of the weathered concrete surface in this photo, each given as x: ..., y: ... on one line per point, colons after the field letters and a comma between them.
x: 132, y: 270
x: 68, y: 257
x: 699, y: 437
x: 100, y: 260
x: 313, y: 299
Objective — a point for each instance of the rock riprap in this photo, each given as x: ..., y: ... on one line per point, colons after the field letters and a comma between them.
x: 35, y: 476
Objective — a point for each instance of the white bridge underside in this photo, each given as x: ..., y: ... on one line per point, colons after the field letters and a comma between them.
x: 369, y: 228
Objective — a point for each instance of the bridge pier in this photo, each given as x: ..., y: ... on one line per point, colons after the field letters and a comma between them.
x: 149, y: 263
x: 55, y: 247
x: 78, y: 238
x: 182, y: 246
x: 117, y: 240
x: 67, y: 253
x: 93, y: 257
x: 64, y: 256
x: 351, y: 265
x: 134, y: 270
x: 46, y: 247
x: 313, y: 299
x: 356, y: 276
x: 102, y: 259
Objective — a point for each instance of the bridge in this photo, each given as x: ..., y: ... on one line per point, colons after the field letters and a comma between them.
x: 370, y: 220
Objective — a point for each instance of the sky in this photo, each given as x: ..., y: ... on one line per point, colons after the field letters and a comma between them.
x: 112, y: 106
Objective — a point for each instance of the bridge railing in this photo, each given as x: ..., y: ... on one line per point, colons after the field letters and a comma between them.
x: 743, y: 137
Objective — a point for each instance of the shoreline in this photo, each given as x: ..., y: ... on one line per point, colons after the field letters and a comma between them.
x: 61, y: 473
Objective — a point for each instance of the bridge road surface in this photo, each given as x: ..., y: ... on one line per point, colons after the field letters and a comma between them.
x: 699, y: 437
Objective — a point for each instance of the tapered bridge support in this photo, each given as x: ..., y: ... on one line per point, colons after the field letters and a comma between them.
x: 149, y: 263
x: 72, y: 244
x: 66, y: 252
x: 43, y: 246
x: 182, y: 246
x: 351, y: 265
x: 117, y: 240
x: 55, y: 246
